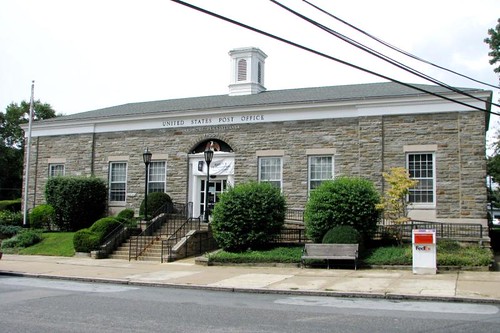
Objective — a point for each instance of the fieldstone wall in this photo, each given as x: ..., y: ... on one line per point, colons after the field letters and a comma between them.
x: 364, y: 147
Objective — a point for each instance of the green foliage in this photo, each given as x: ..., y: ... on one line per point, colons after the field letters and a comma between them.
x: 10, y: 205
x: 156, y: 200
x: 343, y: 201
x: 78, y: 201
x: 494, y: 42
x: 126, y: 217
x: 52, y: 244
x: 42, y: 217
x: 85, y: 240
x: 11, y: 218
x: 394, y: 255
x: 23, y: 239
x: 10, y: 230
x: 89, y: 239
x: 275, y: 255
x: 342, y: 234
x: 248, y: 216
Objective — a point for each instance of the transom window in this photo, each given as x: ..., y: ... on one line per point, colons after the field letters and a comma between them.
x: 157, y: 177
x: 421, y: 168
x: 270, y: 170
x: 320, y: 169
x: 117, y: 181
x: 56, y: 169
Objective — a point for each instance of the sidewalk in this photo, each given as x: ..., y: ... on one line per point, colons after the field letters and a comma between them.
x: 390, y: 284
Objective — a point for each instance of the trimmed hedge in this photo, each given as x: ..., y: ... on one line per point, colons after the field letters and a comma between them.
x: 10, y: 205
x: 250, y: 215
x: 78, y: 201
x: 342, y: 234
x: 156, y: 200
x: 342, y: 201
x: 11, y: 218
x: 42, y: 217
x: 24, y: 238
x: 89, y: 239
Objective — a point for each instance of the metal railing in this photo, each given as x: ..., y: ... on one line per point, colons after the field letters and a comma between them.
x: 291, y: 236
x: 443, y: 230
x: 294, y: 214
x: 114, y: 239
x: 178, y: 232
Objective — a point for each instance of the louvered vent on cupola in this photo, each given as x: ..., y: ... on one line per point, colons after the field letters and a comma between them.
x: 247, y: 71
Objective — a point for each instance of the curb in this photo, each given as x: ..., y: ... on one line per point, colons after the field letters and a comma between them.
x: 322, y: 293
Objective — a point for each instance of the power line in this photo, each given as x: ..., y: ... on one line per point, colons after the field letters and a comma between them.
x: 327, y: 56
x: 398, y: 49
x: 380, y: 55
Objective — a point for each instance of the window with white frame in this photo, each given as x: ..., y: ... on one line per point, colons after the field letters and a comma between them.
x: 157, y: 177
x: 270, y: 170
x: 320, y: 169
x: 421, y: 168
x: 117, y: 181
x: 56, y: 169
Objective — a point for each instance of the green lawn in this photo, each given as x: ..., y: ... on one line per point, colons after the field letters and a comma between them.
x: 52, y: 244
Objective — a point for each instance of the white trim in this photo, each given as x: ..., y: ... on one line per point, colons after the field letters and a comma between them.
x: 425, y: 205
x: 259, y: 160
x: 254, y: 114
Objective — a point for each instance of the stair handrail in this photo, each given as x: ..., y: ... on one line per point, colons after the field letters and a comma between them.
x: 174, y: 237
x: 113, y: 239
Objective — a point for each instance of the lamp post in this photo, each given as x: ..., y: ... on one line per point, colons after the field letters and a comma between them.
x: 209, y: 154
x: 146, y: 156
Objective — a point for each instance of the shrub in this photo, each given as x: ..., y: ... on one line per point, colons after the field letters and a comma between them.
x: 156, y: 200
x: 11, y: 218
x: 78, y: 201
x: 10, y: 205
x: 23, y: 239
x: 126, y: 214
x: 42, y: 217
x: 89, y: 239
x: 248, y: 216
x: 343, y: 201
x: 85, y: 240
x: 342, y: 234
x: 10, y: 230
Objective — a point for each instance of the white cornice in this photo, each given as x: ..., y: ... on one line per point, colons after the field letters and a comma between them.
x: 257, y: 114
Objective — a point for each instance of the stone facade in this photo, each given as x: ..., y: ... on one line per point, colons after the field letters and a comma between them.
x: 363, y: 146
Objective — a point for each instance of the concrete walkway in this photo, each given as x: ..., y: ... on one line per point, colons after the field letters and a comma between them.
x: 461, y: 286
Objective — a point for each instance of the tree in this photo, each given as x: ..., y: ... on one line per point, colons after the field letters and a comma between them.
x: 494, y: 42
x: 12, y: 144
x: 395, y: 201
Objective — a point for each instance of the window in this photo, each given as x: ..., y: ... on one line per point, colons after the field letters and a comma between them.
x: 117, y: 181
x: 242, y: 70
x: 157, y: 176
x: 270, y: 170
x: 320, y: 169
x: 56, y: 169
x: 259, y: 72
x: 421, y: 168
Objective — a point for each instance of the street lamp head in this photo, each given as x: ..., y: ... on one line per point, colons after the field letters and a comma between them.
x: 209, y: 154
x: 146, y: 156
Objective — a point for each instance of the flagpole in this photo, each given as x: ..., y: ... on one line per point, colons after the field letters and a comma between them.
x: 27, y: 165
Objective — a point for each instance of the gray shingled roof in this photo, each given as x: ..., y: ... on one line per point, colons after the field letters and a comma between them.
x: 276, y: 97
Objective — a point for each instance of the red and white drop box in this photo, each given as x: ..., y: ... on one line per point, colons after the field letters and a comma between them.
x: 424, y: 251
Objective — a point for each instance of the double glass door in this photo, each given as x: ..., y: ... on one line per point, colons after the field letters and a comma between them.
x: 215, y: 188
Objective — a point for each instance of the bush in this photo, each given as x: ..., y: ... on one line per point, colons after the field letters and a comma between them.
x: 126, y: 217
x: 42, y: 217
x: 78, y: 201
x: 85, y: 240
x: 343, y: 201
x: 11, y: 218
x: 342, y: 234
x: 10, y: 230
x: 23, y: 239
x: 89, y: 239
x: 156, y: 200
x: 248, y: 216
x: 10, y: 205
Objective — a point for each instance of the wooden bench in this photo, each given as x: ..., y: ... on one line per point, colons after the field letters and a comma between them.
x: 330, y: 252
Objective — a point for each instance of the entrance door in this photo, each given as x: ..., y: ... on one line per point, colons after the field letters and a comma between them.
x: 215, y: 188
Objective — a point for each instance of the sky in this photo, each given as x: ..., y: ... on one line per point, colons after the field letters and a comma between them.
x: 87, y: 55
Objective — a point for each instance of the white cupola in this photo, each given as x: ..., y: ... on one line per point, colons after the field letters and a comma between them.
x: 247, y: 71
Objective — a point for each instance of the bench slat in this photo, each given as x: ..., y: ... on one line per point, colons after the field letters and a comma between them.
x: 330, y: 252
